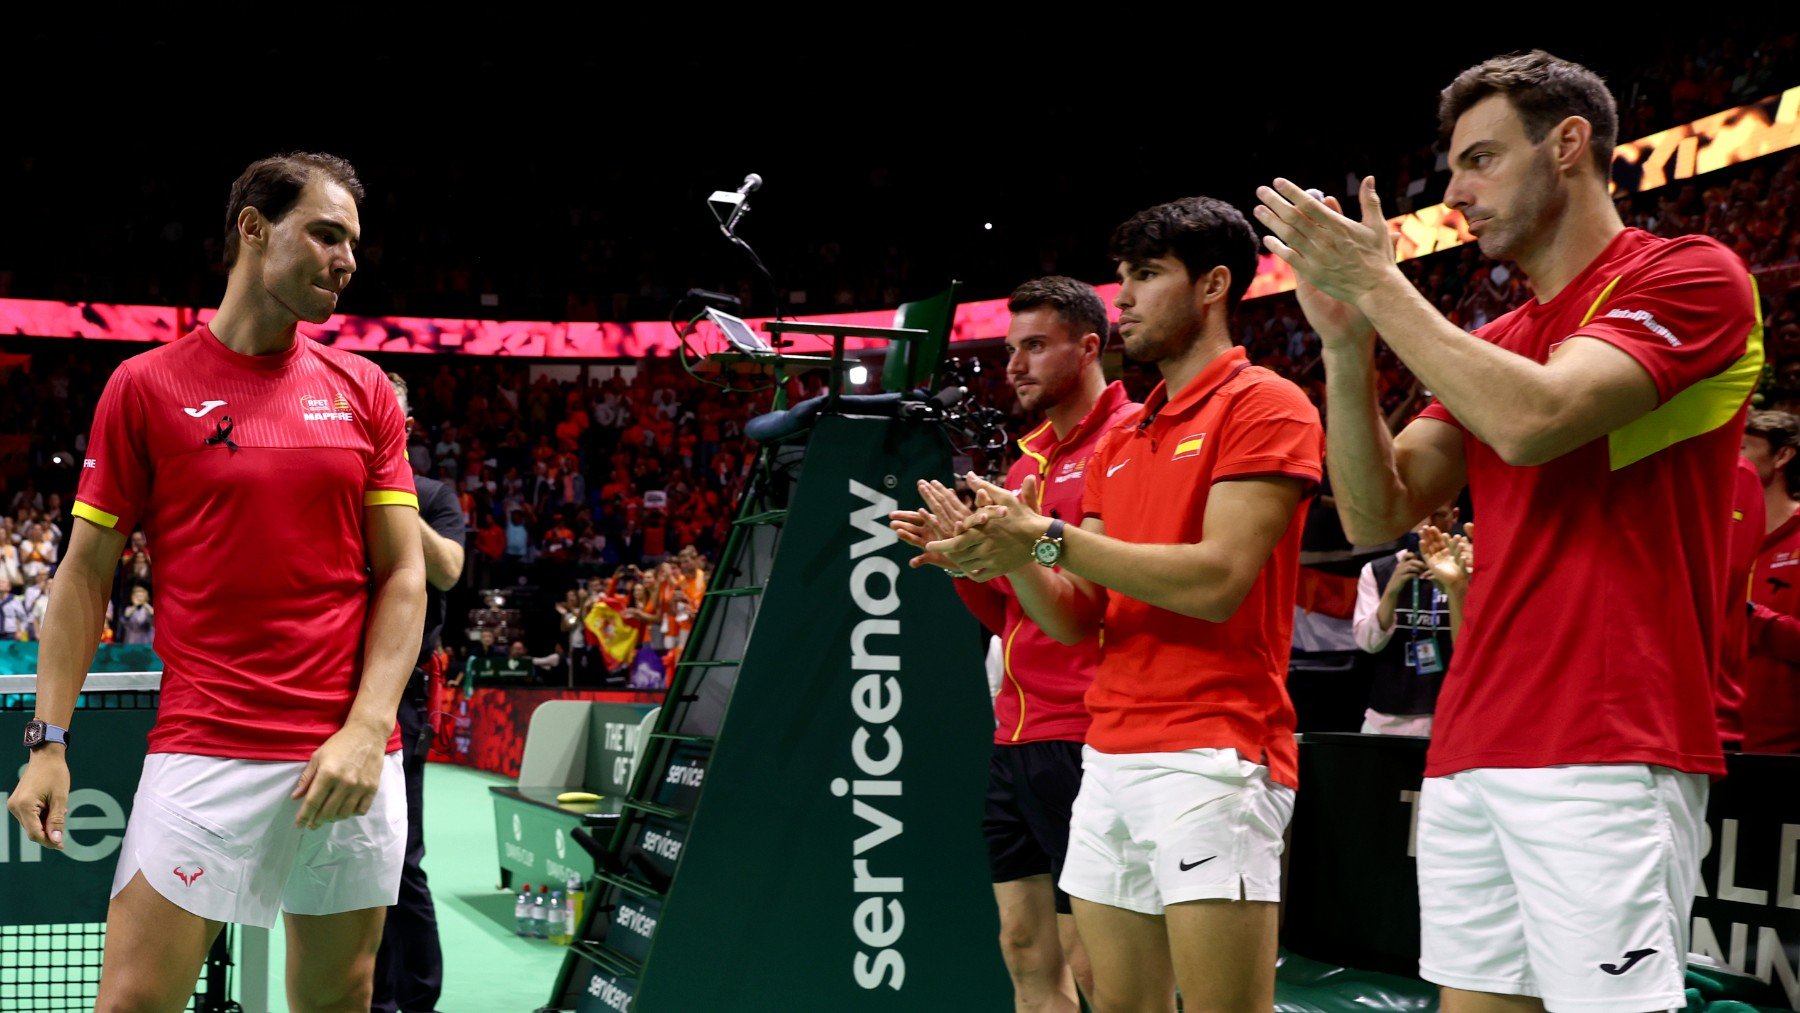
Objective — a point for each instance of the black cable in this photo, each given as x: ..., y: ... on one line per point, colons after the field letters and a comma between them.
x: 774, y: 292
x: 688, y: 356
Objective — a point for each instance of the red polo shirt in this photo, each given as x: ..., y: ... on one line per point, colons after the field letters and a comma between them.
x: 1168, y: 682
x: 1043, y: 682
x: 1748, y: 515
x: 251, y: 475
x: 1771, y: 708
x: 1594, y: 638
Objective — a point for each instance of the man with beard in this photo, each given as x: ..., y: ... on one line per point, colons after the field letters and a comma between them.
x: 1053, y: 346
x: 1188, y: 550
x: 1597, y: 426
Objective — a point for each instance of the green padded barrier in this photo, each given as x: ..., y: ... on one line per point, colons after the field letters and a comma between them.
x: 1311, y: 986
x: 1716, y: 991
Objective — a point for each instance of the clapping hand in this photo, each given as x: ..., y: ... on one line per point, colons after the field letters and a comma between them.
x: 998, y: 537
x: 1450, y: 558
x: 1340, y: 256
x: 942, y: 518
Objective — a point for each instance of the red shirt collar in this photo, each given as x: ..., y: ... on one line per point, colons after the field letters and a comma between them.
x: 272, y: 361
x: 1042, y: 441
x: 1781, y: 532
x: 1158, y: 405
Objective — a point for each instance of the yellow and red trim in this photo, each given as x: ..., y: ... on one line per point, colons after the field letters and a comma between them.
x: 1006, y: 667
x: 390, y: 497
x: 93, y: 514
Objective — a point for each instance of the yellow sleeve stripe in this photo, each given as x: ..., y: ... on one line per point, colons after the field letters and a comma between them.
x: 96, y: 515
x: 1700, y: 408
x: 1602, y: 300
x: 390, y: 497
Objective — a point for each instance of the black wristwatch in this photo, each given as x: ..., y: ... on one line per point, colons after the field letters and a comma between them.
x: 37, y: 733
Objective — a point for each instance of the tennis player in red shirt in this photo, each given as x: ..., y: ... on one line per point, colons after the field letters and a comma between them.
x: 270, y: 472
x: 1189, y: 550
x: 1597, y: 427
x: 1771, y: 690
x: 1054, y: 339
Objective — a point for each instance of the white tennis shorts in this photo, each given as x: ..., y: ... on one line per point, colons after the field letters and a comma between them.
x: 216, y: 836
x: 1572, y: 884
x: 1153, y: 829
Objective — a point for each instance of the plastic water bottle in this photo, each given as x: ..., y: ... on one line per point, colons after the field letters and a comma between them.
x: 539, y: 912
x: 576, y: 903
x: 553, y: 914
x: 522, y: 912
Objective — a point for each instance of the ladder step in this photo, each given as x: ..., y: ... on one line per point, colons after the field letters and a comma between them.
x: 654, y: 809
x: 715, y: 663
x: 734, y: 592
x: 704, y: 740
x: 766, y: 517
x: 629, y: 885
x: 607, y: 957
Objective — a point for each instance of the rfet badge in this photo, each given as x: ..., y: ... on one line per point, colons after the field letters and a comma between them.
x: 1188, y: 446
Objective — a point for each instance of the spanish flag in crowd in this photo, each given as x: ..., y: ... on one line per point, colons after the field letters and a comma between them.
x: 609, y: 630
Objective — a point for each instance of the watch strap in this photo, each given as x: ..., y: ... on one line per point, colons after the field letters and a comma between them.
x: 48, y: 733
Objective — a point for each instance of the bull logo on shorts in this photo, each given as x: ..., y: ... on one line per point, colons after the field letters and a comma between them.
x: 187, y: 878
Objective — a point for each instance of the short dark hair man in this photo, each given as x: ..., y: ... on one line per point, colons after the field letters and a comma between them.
x: 1189, y: 550
x: 1771, y: 700
x: 1053, y: 344
x: 1597, y: 428
x: 269, y: 471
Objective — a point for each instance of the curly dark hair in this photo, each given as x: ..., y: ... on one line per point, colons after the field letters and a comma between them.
x: 1201, y: 232
x: 1545, y: 90
x: 1075, y: 301
x: 272, y: 185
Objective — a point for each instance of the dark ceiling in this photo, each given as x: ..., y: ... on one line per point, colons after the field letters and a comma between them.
x: 534, y: 161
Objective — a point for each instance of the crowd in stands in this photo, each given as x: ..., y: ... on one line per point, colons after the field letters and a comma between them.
x: 607, y: 491
x: 563, y: 480
x: 31, y: 538
x: 581, y: 476
x: 569, y: 484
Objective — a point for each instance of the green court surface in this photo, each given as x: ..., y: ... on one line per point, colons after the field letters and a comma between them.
x: 487, y: 969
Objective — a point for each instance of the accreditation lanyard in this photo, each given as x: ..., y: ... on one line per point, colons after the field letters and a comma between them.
x: 1422, y: 654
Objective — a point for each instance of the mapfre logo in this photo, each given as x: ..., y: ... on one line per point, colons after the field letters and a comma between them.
x: 319, y: 409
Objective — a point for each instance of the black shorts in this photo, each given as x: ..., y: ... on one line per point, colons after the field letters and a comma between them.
x: 1031, y: 790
